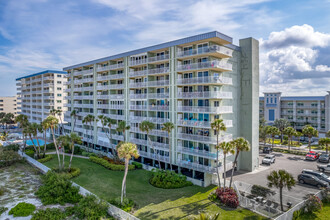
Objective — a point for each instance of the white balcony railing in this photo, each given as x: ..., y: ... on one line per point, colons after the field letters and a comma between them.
x: 209, y: 94
x: 116, y: 96
x: 201, y: 124
x: 208, y: 139
x: 138, y: 96
x: 138, y: 73
x: 196, y: 166
x: 138, y: 62
x: 158, y: 58
x: 225, y: 52
x: 110, y: 67
x: 215, y: 64
x: 206, y: 109
x: 158, y: 70
x: 207, y: 79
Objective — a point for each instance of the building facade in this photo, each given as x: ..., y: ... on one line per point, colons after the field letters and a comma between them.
x: 8, y: 104
x: 189, y: 82
x: 299, y: 110
x: 40, y: 92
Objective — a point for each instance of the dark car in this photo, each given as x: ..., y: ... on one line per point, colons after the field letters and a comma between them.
x: 318, y: 174
x: 305, y: 178
x: 324, y: 158
x: 267, y: 150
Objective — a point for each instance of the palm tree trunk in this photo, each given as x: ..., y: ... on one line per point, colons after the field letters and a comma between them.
x: 224, y: 171
x: 273, y: 142
x: 57, y: 152
x: 92, y: 145
x: 289, y: 143
x: 63, y: 153
x: 72, y: 150
x: 281, y: 198
x: 326, y: 148
x: 170, y: 150
x: 217, y: 161
x: 124, y: 182
x: 45, y: 145
x: 38, y: 153
x: 34, y: 146
x: 74, y: 123
x: 232, y: 170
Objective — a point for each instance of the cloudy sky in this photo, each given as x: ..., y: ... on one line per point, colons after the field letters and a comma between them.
x: 47, y: 34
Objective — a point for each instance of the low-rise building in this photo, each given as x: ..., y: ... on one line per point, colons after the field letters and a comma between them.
x: 8, y: 104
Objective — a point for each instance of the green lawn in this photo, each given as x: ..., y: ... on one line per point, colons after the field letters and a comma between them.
x: 323, y: 214
x: 153, y: 203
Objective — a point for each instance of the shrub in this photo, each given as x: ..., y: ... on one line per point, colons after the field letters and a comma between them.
x: 8, y: 158
x: 296, y: 214
x: 3, y: 190
x: 74, y: 172
x: 227, y: 197
x: 88, y: 154
x: 13, y: 147
x: 118, y: 162
x: 3, y: 209
x: 47, y: 157
x: 313, y: 204
x: 168, y: 179
x: 57, y: 189
x: 108, y: 165
x: 22, y: 209
x: 30, y: 153
x: 137, y: 165
x: 89, y: 208
x: 49, y: 213
x: 127, y: 204
x: 261, y: 191
x: 77, y: 150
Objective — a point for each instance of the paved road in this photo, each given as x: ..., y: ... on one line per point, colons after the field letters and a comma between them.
x: 293, y: 164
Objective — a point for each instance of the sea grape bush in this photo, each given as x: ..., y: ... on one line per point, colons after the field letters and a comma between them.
x: 228, y: 197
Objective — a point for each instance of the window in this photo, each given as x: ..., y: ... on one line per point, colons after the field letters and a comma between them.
x: 59, y: 107
x: 59, y: 95
x: 59, y: 76
x: 216, y: 103
x: 275, y: 100
x: 267, y: 100
x: 59, y: 88
x: 59, y: 101
x: 300, y: 104
x: 271, y: 114
x: 59, y: 82
x: 271, y: 100
x: 1, y: 100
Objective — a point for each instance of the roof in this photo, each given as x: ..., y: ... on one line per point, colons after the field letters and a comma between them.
x: 43, y: 72
x: 160, y: 46
x: 303, y: 98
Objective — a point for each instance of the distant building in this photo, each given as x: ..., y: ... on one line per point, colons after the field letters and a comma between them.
x: 8, y: 104
x: 299, y: 110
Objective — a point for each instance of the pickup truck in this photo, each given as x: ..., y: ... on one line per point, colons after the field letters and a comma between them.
x: 324, y: 168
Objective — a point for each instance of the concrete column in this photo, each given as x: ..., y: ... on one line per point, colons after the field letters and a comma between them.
x: 318, y: 115
x: 126, y: 95
x: 295, y: 111
x: 327, y: 111
x: 173, y: 104
x: 95, y: 103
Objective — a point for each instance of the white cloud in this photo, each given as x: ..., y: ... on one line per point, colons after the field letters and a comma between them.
x: 322, y: 68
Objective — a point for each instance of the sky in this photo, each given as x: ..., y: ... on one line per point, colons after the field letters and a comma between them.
x: 294, y: 35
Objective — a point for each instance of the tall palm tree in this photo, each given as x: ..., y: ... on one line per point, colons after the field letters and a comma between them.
x: 23, y: 122
x: 52, y: 123
x: 123, y: 127
x: 281, y: 179
x: 281, y: 124
x: 310, y: 132
x: 325, y: 142
x: 239, y: 144
x: 327, y: 134
x: 32, y: 131
x: 290, y: 131
x: 108, y: 122
x: 273, y: 131
x: 73, y: 139
x: 74, y: 115
x: 89, y: 120
x: 168, y: 127
x: 126, y: 151
x: 45, y: 127
x: 226, y: 147
x: 147, y: 126
x: 218, y: 125
x: 63, y: 140
x: 298, y: 135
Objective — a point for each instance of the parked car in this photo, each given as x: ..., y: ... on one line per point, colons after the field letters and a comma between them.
x: 324, y: 158
x: 312, y: 155
x: 267, y: 150
x: 305, y: 178
x: 324, y: 168
x: 318, y: 174
x: 268, y: 159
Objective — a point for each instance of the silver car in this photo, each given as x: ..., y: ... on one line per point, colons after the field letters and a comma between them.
x: 268, y: 159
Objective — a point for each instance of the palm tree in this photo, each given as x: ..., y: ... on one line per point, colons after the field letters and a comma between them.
x: 310, y: 132
x: 62, y: 142
x: 45, y: 127
x: 281, y: 179
x: 147, y: 126
x: 273, y: 131
x: 217, y: 125
x: 298, y: 135
x: 59, y: 114
x: 281, y: 124
x: 74, y: 115
x: 126, y: 151
x: 23, y: 122
x: 52, y: 123
x: 240, y: 144
x: 263, y: 133
x: 226, y: 147
x: 89, y: 119
x: 73, y: 139
x: 32, y: 131
x: 123, y: 127
x: 327, y: 134
x: 2, y: 116
x: 168, y: 127
x: 108, y: 122
x: 324, y: 142
x: 290, y: 131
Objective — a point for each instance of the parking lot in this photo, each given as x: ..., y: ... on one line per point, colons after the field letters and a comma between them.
x: 292, y: 164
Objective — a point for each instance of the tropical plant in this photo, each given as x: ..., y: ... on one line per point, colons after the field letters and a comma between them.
x: 74, y: 115
x: 310, y: 132
x: 290, y: 131
x: 239, y: 144
x: 122, y: 128
x: 263, y: 133
x: 147, y: 126
x: 298, y: 135
x: 281, y: 179
x: 273, y: 131
x: 168, y: 179
x: 62, y: 142
x: 23, y: 122
x: 22, y: 209
x: 327, y: 134
x: 52, y: 123
x: 281, y: 124
x: 73, y: 140
x: 226, y: 147
x: 168, y: 127
x: 227, y: 196
x: 325, y: 142
x: 45, y: 127
x: 126, y: 151
x: 313, y: 203
x: 89, y: 120
x: 32, y: 131
x: 108, y: 122
x: 204, y: 216
x: 218, y: 125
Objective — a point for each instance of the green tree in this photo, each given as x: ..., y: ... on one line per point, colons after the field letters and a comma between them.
x: 52, y: 123
x: 74, y: 115
x: 45, y: 127
x: 239, y: 144
x: 263, y: 133
x: 2, y: 116
x: 32, y: 131
x: 63, y: 140
x: 298, y: 135
x: 262, y: 123
x: 168, y: 127
x: 218, y: 125
x: 23, y: 122
x: 290, y: 131
x: 325, y: 142
x: 89, y: 120
x: 226, y: 147
x: 281, y: 124
x: 106, y: 126
x: 281, y: 179
x: 73, y: 139
x: 126, y: 151
x: 327, y: 134
x: 147, y: 126
x: 122, y: 128
x: 310, y: 132
x: 273, y: 131
x: 9, y: 119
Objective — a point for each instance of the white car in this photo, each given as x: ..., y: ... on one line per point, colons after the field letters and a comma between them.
x: 268, y: 159
x: 324, y: 168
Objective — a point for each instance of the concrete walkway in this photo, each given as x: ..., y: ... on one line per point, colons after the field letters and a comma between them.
x: 66, y: 154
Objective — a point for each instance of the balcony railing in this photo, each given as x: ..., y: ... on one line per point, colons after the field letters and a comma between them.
x: 201, y: 138
x: 158, y: 95
x: 116, y: 96
x: 117, y: 86
x: 209, y: 94
x: 215, y: 64
x: 197, y: 152
x: 102, y: 87
x: 206, y: 109
x: 85, y: 80
x: 103, y: 96
x: 225, y: 52
x: 155, y: 132
x: 158, y: 145
x: 201, y: 124
x: 137, y: 119
x: 158, y: 58
x: 138, y: 96
x: 154, y: 156
x: 138, y: 62
x: 137, y: 84
x: 138, y: 73
x: 207, y: 79
x: 104, y: 106
x: 158, y: 108
x: 116, y: 106
x: 158, y: 70
x: 110, y: 67
x: 109, y: 77
x: 158, y: 83
x: 78, y: 73
x: 196, y: 166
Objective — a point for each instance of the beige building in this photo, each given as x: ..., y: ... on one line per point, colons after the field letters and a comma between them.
x: 8, y: 104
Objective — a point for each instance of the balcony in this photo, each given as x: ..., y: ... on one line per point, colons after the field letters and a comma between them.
x: 116, y: 96
x: 206, y: 80
x: 47, y: 85
x: 158, y: 108
x: 214, y: 50
x: 116, y: 86
x: 214, y: 65
x: 137, y: 84
x: 197, y: 152
x: 154, y: 156
x: 158, y: 71
x: 102, y: 87
x: 138, y: 62
x: 158, y: 95
x: 207, y: 94
x: 133, y: 73
x: 82, y: 72
x: 154, y: 132
x: 196, y: 166
x: 138, y: 119
x: 206, y: 139
x: 117, y: 117
x: 116, y: 106
x: 48, y: 97
x: 206, y: 109
x: 201, y: 124
x: 138, y: 96
x: 109, y: 77
x: 85, y: 80
x: 151, y: 144
x: 158, y: 83
x: 110, y: 67
x: 104, y: 106
x: 158, y: 58
x: 102, y: 96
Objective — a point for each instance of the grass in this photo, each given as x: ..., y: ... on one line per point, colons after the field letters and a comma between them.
x: 323, y: 214
x: 152, y: 202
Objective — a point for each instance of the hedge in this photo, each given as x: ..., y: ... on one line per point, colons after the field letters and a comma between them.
x: 137, y: 165
x: 65, y: 172
x: 47, y: 157
x: 108, y: 165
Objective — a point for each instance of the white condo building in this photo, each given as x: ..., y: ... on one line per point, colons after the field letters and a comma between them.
x: 189, y: 82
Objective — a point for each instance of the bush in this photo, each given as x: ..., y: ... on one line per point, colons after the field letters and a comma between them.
x: 88, y: 154
x: 285, y: 142
x: 118, y: 162
x: 127, y: 204
x: 22, y: 209
x: 227, y: 197
x: 47, y: 157
x: 168, y: 179
x: 89, y: 208
x: 3, y: 190
x: 313, y: 204
x: 30, y: 153
x: 8, y: 158
x: 57, y: 189
x: 77, y: 150
x: 3, y: 209
x: 49, y: 213
x: 261, y: 191
x: 296, y: 214
x: 74, y: 172
x: 108, y: 165
x: 13, y: 147
x: 137, y: 165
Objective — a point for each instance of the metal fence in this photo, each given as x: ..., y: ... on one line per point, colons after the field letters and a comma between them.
x: 112, y: 210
